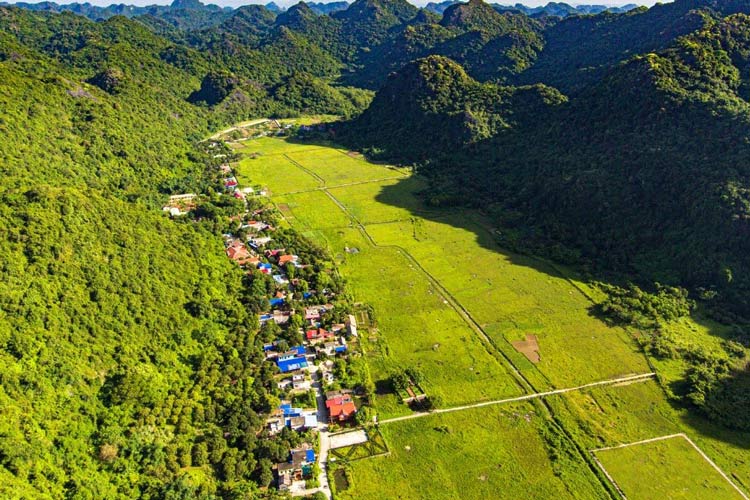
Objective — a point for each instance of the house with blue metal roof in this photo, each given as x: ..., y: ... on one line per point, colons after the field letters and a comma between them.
x: 291, y: 363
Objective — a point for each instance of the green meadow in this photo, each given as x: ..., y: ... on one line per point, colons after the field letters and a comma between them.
x: 495, y: 452
x: 417, y: 328
x: 411, y: 264
x: 620, y: 414
x: 512, y: 296
x: 670, y: 468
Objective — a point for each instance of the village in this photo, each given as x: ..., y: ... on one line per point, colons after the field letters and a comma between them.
x: 309, y: 335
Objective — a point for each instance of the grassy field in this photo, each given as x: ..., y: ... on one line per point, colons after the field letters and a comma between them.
x: 511, y: 296
x: 488, y: 452
x: 297, y: 208
x: 416, y: 328
x: 670, y: 468
x: 481, y: 453
x: 335, y: 166
x: 610, y: 416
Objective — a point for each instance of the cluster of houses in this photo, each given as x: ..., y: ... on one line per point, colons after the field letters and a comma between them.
x: 321, y: 340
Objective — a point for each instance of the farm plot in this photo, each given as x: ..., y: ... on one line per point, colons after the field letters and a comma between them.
x: 609, y: 416
x: 416, y: 329
x: 481, y: 453
x: 512, y: 296
x: 336, y: 167
x: 274, y: 171
x: 666, y: 468
x: 362, y: 200
x: 312, y: 210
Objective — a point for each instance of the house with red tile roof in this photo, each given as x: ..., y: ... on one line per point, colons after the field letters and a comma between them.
x: 238, y: 253
x: 340, y: 406
x: 285, y: 259
x: 318, y: 335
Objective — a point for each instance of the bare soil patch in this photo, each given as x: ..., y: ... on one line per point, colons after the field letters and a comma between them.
x: 528, y: 347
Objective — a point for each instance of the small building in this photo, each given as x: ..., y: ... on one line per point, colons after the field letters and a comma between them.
x: 318, y: 335
x: 351, y: 325
x: 290, y: 361
x: 300, y: 382
x: 280, y: 279
x: 297, y: 468
x: 312, y: 313
x: 238, y: 253
x: 286, y: 259
x: 332, y: 348
x: 258, y: 242
x: 340, y: 406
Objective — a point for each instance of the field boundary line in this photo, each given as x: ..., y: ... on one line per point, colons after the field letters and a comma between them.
x: 664, y: 438
x: 321, y: 180
x: 526, y: 397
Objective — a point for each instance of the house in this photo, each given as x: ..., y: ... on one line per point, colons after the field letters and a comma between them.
x: 318, y: 335
x: 312, y: 313
x: 285, y: 259
x: 300, y: 382
x: 290, y: 361
x: 265, y: 268
x: 258, y: 242
x: 276, y: 301
x: 280, y: 279
x: 297, y: 468
x: 282, y: 317
x: 337, y: 327
x: 239, y: 195
x: 173, y: 211
x: 255, y: 225
x: 230, y: 183
x: 304, y: 455
x: 238, y: 253
x: 351, y: 325
x: 340, y: 406
x: 332, y: 348
x: 327, y: 377
x: 274, y: 252
x: 294, y: 418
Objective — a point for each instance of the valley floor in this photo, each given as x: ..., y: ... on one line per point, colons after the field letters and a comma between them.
x: 448, y: 301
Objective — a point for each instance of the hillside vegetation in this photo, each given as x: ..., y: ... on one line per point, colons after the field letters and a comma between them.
x: 131, y: 361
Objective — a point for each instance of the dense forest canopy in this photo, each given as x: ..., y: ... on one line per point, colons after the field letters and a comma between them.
x: 616, y: 142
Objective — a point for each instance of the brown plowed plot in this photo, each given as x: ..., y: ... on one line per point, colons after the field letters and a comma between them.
x: 284, y: 209
x: 528, y: 347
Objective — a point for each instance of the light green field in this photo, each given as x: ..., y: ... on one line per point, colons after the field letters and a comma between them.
x: 274, y: 171
x: 614, y: 415
x: 670, y: 468
x: 482, y: 453
x: 417, y: 328
x: 363, y: 200
x: 335, y: 166
x: 297, y: 209
x: 511, y: 296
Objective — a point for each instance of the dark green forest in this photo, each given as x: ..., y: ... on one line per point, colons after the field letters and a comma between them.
x: 130, y: 350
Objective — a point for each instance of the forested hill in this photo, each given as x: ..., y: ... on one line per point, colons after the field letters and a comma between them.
x: 643, y: 171
x: 128, y: 348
